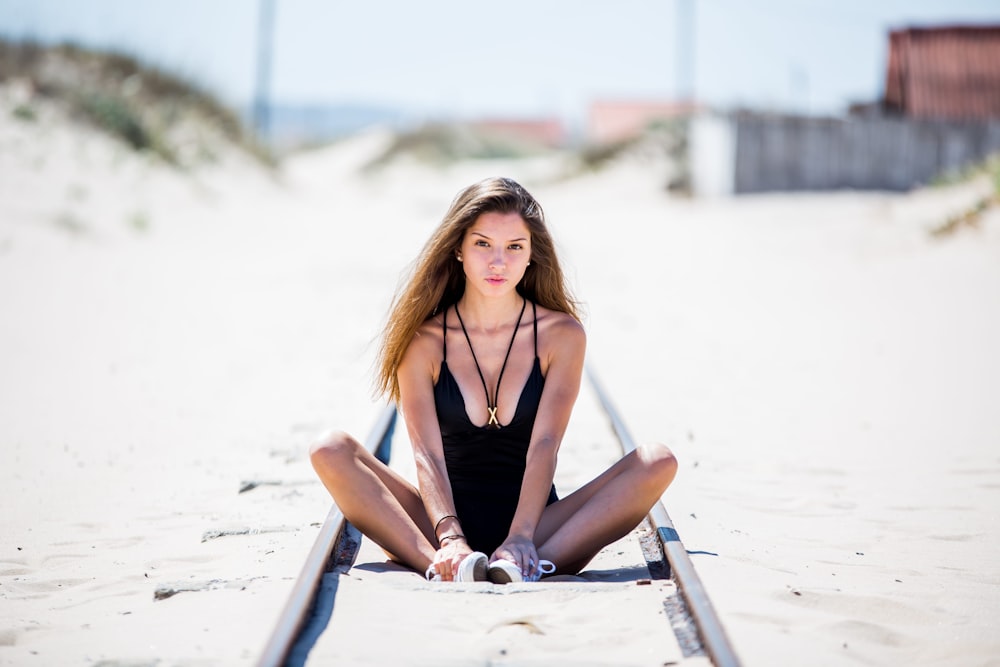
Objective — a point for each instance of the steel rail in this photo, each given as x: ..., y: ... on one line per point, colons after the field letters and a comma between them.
x: 297, y: 608
x: 713, y: 636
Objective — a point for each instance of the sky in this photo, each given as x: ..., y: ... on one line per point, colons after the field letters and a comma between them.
x: 520, y: 58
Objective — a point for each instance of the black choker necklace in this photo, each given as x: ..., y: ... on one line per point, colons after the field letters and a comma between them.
x: 491, y: 405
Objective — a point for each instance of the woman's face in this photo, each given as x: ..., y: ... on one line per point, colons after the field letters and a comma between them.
x: 495, y: 252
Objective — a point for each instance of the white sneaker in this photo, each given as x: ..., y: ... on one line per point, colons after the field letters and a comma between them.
x: 504, y: 572
x: 472, y: 568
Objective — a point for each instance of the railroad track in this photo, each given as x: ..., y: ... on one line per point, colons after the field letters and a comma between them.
x: 666, y: 553
x: 709, y: 628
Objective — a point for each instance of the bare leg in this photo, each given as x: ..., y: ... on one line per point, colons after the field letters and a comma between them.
x: 378, y: 501
x: 573, y: 530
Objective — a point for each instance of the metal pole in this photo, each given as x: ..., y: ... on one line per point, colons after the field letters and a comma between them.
x: 265, y: 35
x: 685, y: 51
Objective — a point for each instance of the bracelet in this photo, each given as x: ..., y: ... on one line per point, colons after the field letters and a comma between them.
x: 456, y: 536
x: 441, y: 520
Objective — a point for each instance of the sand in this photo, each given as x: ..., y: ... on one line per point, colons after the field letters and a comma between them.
x: 826, y: 370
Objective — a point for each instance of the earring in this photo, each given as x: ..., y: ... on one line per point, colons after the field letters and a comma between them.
x: 458, y: 257
x: 528, y: 264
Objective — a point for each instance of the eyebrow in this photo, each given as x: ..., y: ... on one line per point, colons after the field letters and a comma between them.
x: 520, y: 238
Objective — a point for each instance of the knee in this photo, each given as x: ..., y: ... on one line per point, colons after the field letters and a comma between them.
x: 660, y: 463
x: 330, y: 452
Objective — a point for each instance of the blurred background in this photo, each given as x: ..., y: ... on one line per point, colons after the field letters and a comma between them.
x: 555, y: 73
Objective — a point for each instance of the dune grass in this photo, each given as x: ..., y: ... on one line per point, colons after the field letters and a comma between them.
x: 145, y: 107
x: 445, y: 143
x: 971, y: 216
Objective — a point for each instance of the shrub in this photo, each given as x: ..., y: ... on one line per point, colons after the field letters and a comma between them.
x: 114, y: 115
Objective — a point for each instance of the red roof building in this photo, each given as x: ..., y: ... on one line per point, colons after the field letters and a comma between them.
x: 944, y: 73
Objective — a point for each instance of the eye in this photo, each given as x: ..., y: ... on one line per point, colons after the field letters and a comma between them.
x: 482, y: 244
x: 516, y: 246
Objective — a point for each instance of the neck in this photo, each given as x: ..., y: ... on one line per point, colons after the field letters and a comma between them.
x: 490, y: 315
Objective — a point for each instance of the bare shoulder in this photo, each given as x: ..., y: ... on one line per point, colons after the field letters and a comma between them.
x: 425, y: 351
x: 558, y: 323
x: 560, y: 334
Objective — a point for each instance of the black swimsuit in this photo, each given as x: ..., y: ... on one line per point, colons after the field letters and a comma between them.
x: 486, y: 465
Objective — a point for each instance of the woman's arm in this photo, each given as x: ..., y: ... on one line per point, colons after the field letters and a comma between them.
x: 416, y: 402
x: 564, y: 353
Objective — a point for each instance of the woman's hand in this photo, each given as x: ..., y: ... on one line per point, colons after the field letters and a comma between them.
x: 449, y: 557
x: 520, y: 551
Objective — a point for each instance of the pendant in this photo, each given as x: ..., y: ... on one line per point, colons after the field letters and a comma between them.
x: 493, y: 422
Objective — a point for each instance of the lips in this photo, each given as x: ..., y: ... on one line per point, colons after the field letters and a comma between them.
x: 496, y: 280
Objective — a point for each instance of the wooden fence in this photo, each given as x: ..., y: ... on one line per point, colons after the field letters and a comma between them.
x: 795, y: 153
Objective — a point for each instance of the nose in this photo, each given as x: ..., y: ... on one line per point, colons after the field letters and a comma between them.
x: 496, y: 261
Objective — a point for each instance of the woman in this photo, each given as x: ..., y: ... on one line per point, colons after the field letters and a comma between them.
x: 483, y: 353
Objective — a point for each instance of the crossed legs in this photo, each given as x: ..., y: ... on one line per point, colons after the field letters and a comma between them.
x: 389, y: 510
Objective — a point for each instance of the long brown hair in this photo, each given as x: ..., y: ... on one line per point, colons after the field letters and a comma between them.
x: 438, y: 280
